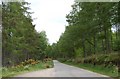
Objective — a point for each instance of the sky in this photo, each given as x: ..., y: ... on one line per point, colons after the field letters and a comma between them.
x: 50, y: 16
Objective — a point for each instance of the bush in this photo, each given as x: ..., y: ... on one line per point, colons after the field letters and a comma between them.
x: 26, y: 67
x: 69, y: 60
x: 4, y: 69
x: 79, y: 60
x: 79, y: 53
x: 47, y: 66
x: 116, y: 46
x: 29, y: 62
x: 61, y: 59
x: 47, y: 59
x: 103, y: 59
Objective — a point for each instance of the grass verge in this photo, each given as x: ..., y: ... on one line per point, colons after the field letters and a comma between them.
x: 109, y: 71
x: 10, y: 72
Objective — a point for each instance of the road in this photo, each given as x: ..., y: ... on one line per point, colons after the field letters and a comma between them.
x: 62, y: 70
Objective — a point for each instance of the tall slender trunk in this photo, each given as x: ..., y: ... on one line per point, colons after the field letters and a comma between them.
x: 94, y: 38
x: 116, y: 34
x: 103, y: 47
x: 111, y: 40
x: 90, y: 49
x: 107, y: 43
x: 106, y: 47
x: 83, y: 45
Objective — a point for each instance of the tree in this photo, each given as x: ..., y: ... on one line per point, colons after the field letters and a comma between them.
x: 20, y: 40
x: 89, y: 28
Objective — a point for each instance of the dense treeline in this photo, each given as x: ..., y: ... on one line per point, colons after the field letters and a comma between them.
x: 92, y: 36
x: 94, y: 28
x: 20, y: 41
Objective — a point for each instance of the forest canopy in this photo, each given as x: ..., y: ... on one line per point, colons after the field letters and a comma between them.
x: 93, y: 28
x: 20, y: 40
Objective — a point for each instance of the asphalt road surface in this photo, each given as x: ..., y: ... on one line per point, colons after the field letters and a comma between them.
x: 61, y: 70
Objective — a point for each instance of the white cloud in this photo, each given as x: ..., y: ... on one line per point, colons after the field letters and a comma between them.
x: 50, y: 16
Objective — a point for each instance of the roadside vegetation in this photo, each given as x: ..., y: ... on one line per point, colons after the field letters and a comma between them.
x: 103, y: 64
x: 26, y: 66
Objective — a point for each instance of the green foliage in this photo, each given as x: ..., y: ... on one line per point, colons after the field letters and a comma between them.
x: 26, y: 67
x: 61, y: 59
x: 9, y: 72
x: 89, y: 30
x: 20, y: 40
x: 116, y: 45
x: 105, y: 60
x: 110, y: 71
x: 109, y: 62
x: 79, y: 53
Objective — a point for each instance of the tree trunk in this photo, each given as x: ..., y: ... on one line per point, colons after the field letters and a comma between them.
x: 94, y: 44
x: 83, y: 45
